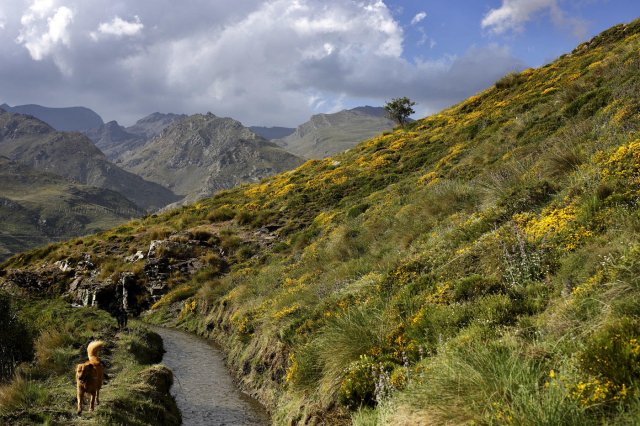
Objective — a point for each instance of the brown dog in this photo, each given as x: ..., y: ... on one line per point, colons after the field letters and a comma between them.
x: 89, y: 375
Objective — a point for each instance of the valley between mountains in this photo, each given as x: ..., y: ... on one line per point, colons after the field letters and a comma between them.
x: 478, y: 266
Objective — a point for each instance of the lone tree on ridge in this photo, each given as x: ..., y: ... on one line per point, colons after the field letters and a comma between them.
x: 399, y: 109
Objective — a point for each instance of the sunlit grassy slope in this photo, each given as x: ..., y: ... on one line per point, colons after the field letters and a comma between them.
x: 480, y: 266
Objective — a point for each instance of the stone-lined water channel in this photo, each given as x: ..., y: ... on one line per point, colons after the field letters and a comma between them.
x: 203, y: 387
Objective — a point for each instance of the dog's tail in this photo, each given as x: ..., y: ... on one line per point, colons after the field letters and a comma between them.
x: 94, y: 347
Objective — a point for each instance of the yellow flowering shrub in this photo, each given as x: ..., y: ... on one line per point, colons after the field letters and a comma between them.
x: 550, y: 222
x: 428, y: 178
x: 623, y: 163
x: 454, y: 152
x: 286, y: 311
x: 441, y: 295
x: 597, y: 391
x: 612, y: 358
x: 188, y: 308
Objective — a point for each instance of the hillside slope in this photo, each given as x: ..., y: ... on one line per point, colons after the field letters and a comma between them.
x: 328, y: 134
x: 480, y: 266
x: 202, y: 154
x: 72, y: 155
x: 37, y: 208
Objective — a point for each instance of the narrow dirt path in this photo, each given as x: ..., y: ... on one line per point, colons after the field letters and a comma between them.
x: 203, y: 387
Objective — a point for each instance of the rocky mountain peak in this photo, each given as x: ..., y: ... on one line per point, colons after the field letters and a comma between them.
x: 200, y: 154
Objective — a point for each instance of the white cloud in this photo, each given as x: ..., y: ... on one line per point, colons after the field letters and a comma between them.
x: 418, y: 18
x: 513, y: 14
x: 119, y: 27
x: 264, y: 62
x: 44, y: 28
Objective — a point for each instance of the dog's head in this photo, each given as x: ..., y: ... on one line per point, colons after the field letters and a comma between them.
x: 85, y: 373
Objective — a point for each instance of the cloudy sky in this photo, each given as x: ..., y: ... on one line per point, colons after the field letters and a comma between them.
x: 276, y: 62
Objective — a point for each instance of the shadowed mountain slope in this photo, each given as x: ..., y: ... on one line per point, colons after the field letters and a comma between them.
x: 114, y: 140
x: 270, y: 133
x: 38, y: 207
x: 32, y: 142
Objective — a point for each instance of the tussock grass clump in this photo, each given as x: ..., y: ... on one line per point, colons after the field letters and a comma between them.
x: 20, y: 395
x: 492, y: 384
x: 221, y: 214
x: 54, y: 351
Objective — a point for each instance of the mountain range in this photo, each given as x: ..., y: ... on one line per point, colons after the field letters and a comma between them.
x: 72, y: 155
x: 153, y: 164
x: 201, y: 154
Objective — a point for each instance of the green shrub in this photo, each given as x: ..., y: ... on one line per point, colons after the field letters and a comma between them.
x: 365, y: 382
x: 203, y: 235
x: 16, y: 343
x: 474, y: 286
x: 221, y: 214
x: 510, y: 80
x: 357, y: 210
x: 245, y: 217
x: 613, y: 352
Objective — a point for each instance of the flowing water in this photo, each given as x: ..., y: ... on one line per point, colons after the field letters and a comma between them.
x: 203, y: 387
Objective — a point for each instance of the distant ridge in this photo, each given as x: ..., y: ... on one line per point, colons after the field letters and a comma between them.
x: 117, y: 141
x: 272, y: 132
x: 64, y: 119
x: 153, y: 124
x: 325, y: 135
